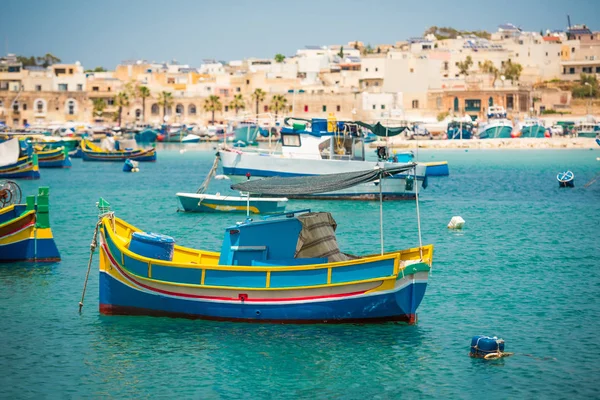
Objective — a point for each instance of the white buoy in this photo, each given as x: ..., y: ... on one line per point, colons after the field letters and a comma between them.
x: 182, y: 151
x: 219, y: 177
x: 456, y: 222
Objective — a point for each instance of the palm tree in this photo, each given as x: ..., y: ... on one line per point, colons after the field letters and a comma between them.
x: 237, y: 103
x: 488, y: 67
x: 122, y: 100
x: 165, y: 99
x: 258, y: 96
x: 212, y: 104
x: 463, y: 66
x: 278, y: 103
x: 143, y: 93
x: 99, y: 106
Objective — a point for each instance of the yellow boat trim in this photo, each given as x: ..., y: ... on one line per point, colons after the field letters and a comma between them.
x: 12, y: 221
x: 7, y: 209
x: 435, y: 163
x: 229, y: 208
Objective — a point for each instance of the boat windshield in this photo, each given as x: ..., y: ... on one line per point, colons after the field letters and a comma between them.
x: 342, y: 148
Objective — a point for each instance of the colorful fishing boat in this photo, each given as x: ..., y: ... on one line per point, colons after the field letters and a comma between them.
x: 202, y: 202
x: 16, y: 164
x: 92, y: 152
x: 54, y: 158
x: 285, y: 268
x: 566, y: 179
x: 25, y: 233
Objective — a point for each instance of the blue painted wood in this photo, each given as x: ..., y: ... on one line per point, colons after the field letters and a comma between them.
x: 298, y: 278
x: 351, y: 273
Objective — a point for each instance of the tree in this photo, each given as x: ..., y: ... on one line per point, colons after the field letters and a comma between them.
x: 143, y: 93
x: 165, y: 99
x: 341, y: 53
x: 47, y: 60
x: 463, y: 66
x: 278, y: 103
x: 97, y: 69
x: 99, y: 106
x: 488, y: 67
x: 237, y: 103
x: 258, y: 96
x: 279, y: 58
x: 512, y: 71
x: 212, y: 104
x: 122, y: 100
x: 587, y: 87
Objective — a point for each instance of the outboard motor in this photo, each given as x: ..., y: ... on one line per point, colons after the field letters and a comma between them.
x: 382, y: 153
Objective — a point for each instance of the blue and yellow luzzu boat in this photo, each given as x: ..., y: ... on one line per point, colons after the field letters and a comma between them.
x: 25, y: 168
x: 286, y: 268
x: 25, y: 233
x: 91, y: 152
x: 53, y: 158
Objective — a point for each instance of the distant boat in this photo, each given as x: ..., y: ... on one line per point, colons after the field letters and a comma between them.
x: 587, y: 129
x: 498, y: 126
x: 54, y: 158
x: 202, y: 202
x: 532, y: 128
x: 566, y: 179
x: 15, y: 164
x: 91, y: 152
x: 460, y: 130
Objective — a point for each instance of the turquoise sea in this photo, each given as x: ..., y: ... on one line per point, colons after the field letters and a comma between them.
x: 526, y: 268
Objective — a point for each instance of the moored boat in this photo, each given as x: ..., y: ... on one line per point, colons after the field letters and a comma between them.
x: 459, y: 129
x: 566, y: 179
x: 286, y: 268
x: 25, y: 233
x: 17, y: 164
x: 532, y: 128
x: 202, y: 202
x: 497, y: 126
x: 54, y: 158
x: 91, y: 152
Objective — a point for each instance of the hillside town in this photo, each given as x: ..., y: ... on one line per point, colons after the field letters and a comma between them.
x: 442, y: 73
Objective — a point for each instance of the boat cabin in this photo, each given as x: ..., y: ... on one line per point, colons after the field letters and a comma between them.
x: 496, y: 112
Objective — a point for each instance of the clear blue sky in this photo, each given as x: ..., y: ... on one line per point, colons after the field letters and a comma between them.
x: 102, y: 33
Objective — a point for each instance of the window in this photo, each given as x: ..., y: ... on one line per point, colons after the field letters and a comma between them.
x: 290, y: 140
x: 24, y: 106
x: 517, y: 54
x: 192, y: 109
x: 412, y: 70
x: 38, y: 88
x: 71, y: 71
x: 154, y: 110
x: 572, y: 49
x: 383, y: 106
x: 39, y: 106
x: 338, y: 108
x: 546, y: 54
x: 374, y: 107
x: 79, y: 87
x: 138, y: 113
x: 376, y: 83
x: 247, y: 81
x: 62, y: 87
x: 415, y: 104
x: 179, y: 109
x: 376, y: 69
x: 95, y: 88
x: 324, y: 108
x: 571, y: 70
x: 109, y: 88
x: 226, y: 108
x: 110, y: 102
x: 445, y: 65
x: 16, y: 106
x: 305, y: 108
x: 366, y: 84
x: 71, y: 107
x: 266, y: 108
x: 472, y: 105
x: 598, y: 70
x: 366, y: 69
x: 237, y: 89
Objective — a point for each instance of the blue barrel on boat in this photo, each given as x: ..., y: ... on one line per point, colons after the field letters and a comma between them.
x: 152, y: 245
x: 483, y: 345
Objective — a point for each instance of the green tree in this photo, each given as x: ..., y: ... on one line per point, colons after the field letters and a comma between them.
x: 121, y: 101
x: 279, y: 58
x: 97, y: 69
x: 488, y: 67
x: 165, y: 99
x: 463, y: 66
x: 278, y: 103
x: 212, y: 104
x: 99, y: 106
x: 341, y: 53
x: 47, y: 60
x: 512, y: 71
x: 258, y: 96
x: 237, y: 103
x: 586, y: 87
x: 143, y: 93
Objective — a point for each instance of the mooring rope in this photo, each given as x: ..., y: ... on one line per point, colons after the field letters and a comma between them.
x: 93, y: 246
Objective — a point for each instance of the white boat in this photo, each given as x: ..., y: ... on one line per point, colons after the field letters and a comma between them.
x: 531, y: 128
x: 497, y: 126
x: 307, y: 151
x: 587, y: 128
x: 202, y: 202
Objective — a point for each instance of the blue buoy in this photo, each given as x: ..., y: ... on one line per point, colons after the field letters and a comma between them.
x: 487, y: 347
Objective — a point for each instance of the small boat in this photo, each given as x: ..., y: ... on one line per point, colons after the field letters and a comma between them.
x: 146, y: 136
x: 436, y: 168
x: 532, y: 128
x: 247, y: 133
x: 16, y: 164
x: 587, y: 128
x: 498, y: 125
x: 91, y: 152
x: 566, y: 179
x: 25, y: 233
x: 54, y: 158
x: 459, y: 129
x: 285, y: 268
x: 190, y: 138
x: 202, y: 202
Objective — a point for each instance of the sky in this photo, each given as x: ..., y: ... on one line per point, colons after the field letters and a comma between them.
x: 106, y: 32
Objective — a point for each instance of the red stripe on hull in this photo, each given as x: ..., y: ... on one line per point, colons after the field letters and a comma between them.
x: 109, y: 309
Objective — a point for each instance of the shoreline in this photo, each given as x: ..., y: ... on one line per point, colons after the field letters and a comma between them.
x: 492, y: 144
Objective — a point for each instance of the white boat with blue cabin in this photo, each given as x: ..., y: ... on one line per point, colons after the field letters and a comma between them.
x: 498, y: 126
x: 319, y: 148
x: 532, y: 128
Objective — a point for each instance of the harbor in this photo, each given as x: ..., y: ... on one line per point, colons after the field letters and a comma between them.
x: 409, y: 215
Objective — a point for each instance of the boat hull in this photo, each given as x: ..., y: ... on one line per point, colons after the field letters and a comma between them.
x: 25, y: 168
x: 238, y: 165
x: 455, y: 134
x: 192, y: 202
x: 496, y: 132
x: 588, y: 134
x: 437, y: 168
x: 534, y: 131
x: 138, y: 155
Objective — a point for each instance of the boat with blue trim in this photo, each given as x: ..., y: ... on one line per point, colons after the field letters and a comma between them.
x: 566, y: 179
x: 316, y: 148
x: 498, y: 125
x: 53, y: 158
x: 532, y: 128
x: 25, y: 233
x: 92, y: 152
x: 17, y: 163
x: 203, y: 202
x: 587, y: 128
x: 460, y: 129
x: 285, y: 268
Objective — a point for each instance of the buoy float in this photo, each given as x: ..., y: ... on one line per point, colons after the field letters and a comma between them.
x: 488, y: 348
x: 456, y: 223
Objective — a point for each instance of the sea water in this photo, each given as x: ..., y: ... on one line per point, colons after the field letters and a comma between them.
x: 526, y: 268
